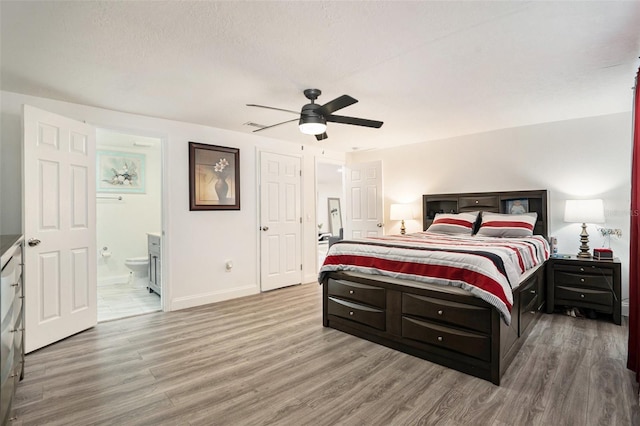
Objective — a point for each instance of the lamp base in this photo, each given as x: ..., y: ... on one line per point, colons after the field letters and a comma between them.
x: 403, y: 230
x: 584, y: 246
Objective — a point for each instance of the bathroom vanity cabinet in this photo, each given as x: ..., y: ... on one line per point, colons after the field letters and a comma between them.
x: 12, y: 322
x: 155, y: 270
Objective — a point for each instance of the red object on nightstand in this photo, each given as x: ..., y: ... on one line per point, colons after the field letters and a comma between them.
x: 602, y: 254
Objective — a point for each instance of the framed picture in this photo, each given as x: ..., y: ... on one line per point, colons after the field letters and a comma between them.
x: 214, y: 177
x: 518, y: 206
x: 120, y: 172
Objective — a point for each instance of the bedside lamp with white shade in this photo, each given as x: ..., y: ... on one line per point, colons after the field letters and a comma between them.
x: 584, y: 211
x: 401, y: 212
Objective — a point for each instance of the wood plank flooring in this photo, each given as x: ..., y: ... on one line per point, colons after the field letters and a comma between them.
x: 267, y: 360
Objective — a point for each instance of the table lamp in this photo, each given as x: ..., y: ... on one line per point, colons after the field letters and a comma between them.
x: 584, y: 211
x: 401, y: 212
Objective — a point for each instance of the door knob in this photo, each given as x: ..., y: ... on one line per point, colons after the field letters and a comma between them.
x: 380, y: 224
x: 265, y: 228
x: 33, y: 242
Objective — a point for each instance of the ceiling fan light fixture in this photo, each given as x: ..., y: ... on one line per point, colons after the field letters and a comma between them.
x: 312, y: 125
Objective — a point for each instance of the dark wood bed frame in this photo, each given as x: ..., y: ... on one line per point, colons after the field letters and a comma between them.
x: 455, y: 330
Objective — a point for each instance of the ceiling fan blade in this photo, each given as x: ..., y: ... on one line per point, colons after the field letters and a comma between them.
x: 277, y: 109
x: 322, y: 136
x: 353, y: 120
x: 338, y: 103
x: 274, y: 125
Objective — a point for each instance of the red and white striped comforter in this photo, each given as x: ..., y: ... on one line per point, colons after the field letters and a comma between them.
x: 487, y: 267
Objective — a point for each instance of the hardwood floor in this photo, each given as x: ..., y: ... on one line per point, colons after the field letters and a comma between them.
x: 239, y: 363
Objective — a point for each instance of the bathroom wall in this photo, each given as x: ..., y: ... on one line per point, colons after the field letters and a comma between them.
x: 122, y: 226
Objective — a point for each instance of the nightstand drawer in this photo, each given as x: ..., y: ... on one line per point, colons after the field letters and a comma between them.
x: 584, y: 295
x: 360, y: 313
x: 592, y: 277
x: 369, y: 295
x: 472, y: 344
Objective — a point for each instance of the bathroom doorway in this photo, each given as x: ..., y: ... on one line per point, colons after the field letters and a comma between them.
x: 128, y: 224
x: 329, y: 194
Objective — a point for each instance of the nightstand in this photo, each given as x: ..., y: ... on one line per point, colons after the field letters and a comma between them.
x: 584, y: 283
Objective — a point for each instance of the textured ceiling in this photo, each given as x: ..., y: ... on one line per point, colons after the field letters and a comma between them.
x: 429, y: 70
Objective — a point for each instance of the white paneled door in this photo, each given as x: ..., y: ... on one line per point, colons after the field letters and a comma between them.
x: 364, y: 200
x: 280, y: 221
x: 59, y: 227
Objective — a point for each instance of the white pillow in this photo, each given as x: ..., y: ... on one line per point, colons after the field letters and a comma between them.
x: 507, y: 225
x: 452, y: 223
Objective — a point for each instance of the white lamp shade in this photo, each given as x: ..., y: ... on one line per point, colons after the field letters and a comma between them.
x: 584, y: 211
x: 400, y: 212
x: 313, y: 128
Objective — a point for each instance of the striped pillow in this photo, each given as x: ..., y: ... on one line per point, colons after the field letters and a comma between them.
x: 451, y: 223
x: 507, y: 225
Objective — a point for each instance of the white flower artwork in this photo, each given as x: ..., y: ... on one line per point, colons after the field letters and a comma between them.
x: 120, y: 172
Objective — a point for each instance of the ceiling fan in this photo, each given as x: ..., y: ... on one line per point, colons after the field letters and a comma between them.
x: 313, y: 117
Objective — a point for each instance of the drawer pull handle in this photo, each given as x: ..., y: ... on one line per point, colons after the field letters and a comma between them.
x: 581, y: 269
x: 350, y: 312
x: 532, y: 312
x: 532, y: 291
x: 350, y: 291
x: 581, y: 280
x: 582, y: 296
x: 440, y: 312
x: 439, y: 338
x: 477, y: 201
x: 15, y: 285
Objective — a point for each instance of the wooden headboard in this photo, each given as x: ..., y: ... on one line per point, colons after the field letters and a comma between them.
x: 496, y: 202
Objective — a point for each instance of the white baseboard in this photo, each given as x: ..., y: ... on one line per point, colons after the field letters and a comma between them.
x: 207, y: 298
x: 116, y: 279
x: 624, y: 308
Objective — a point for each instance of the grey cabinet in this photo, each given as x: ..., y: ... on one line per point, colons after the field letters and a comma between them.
x: 155, y: 263
x: 12, y: 323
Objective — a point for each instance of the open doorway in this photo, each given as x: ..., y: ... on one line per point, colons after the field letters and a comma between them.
x: 329, y: 203
x: 128, y: 224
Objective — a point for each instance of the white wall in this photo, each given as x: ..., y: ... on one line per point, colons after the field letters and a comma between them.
x: 122, y: 226
x: 583, y: 158
x: 196, y: 244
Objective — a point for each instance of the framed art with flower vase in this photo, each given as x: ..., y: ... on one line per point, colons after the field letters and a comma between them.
x: 120, y: 172
x: 214, y: 177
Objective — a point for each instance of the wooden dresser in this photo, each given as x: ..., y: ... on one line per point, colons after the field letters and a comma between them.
x: 12, y: 322
x: 584, y: 283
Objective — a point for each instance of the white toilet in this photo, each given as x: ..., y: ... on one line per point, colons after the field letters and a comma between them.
x: 139, y: 266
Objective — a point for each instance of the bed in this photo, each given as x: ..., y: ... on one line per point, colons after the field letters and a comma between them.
x: 472, y: 318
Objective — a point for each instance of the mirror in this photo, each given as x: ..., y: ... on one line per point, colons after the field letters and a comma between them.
x: 335, y: 216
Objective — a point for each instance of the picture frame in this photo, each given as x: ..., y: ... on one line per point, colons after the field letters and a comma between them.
x: 121, y: 172
x: 214, y: 177
x: 518, y: 206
